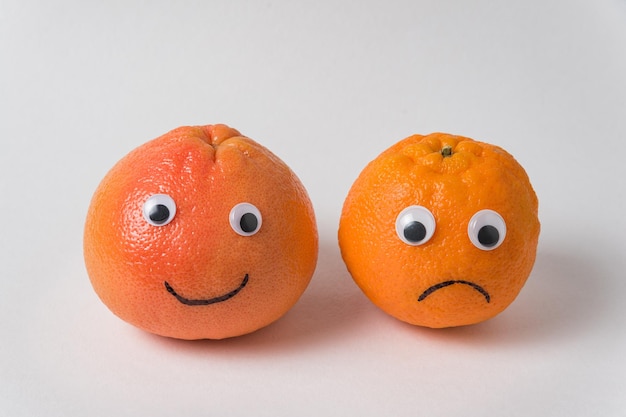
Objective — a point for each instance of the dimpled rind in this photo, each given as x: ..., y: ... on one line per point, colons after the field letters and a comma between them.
x: 136, y: 268
x: 417, y: 171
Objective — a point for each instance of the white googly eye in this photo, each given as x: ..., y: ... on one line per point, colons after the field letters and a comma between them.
x: 159, y: 209
x: 486, y: 229
x: 245, y: 219
x: 415, y: 225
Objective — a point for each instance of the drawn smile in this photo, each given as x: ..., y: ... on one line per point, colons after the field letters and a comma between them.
x: 444, y: 284
x: 207, y: 301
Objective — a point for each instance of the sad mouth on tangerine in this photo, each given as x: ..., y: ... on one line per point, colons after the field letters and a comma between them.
x: 434, y: 206
x: 448, y: 283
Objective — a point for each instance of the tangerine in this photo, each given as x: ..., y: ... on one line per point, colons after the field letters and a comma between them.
x: 201, y: 233
x: 440, y: 230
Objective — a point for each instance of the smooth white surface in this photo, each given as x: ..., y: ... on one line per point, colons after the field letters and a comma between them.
x: 327, y: 86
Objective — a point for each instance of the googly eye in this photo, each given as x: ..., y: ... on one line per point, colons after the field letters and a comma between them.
x: 245, y: 219
x: 486, y: 229
x: 159, y: 209
x: 415, y: 225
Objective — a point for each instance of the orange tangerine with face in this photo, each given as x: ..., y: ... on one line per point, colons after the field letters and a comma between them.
x: 201, y: 233
x: 440, y: 230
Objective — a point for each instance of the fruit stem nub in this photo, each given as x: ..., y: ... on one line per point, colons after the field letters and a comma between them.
x: 446, y: 151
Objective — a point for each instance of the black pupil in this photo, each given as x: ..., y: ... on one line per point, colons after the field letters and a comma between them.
x: 415, y: 231
x: 248, y: 222
x: 159, y: 213
x: 488, y: 236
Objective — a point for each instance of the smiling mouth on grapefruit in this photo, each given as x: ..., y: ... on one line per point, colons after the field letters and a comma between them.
x: 206, y: 301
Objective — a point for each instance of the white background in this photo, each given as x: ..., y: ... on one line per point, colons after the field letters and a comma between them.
x: 327, y: 86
